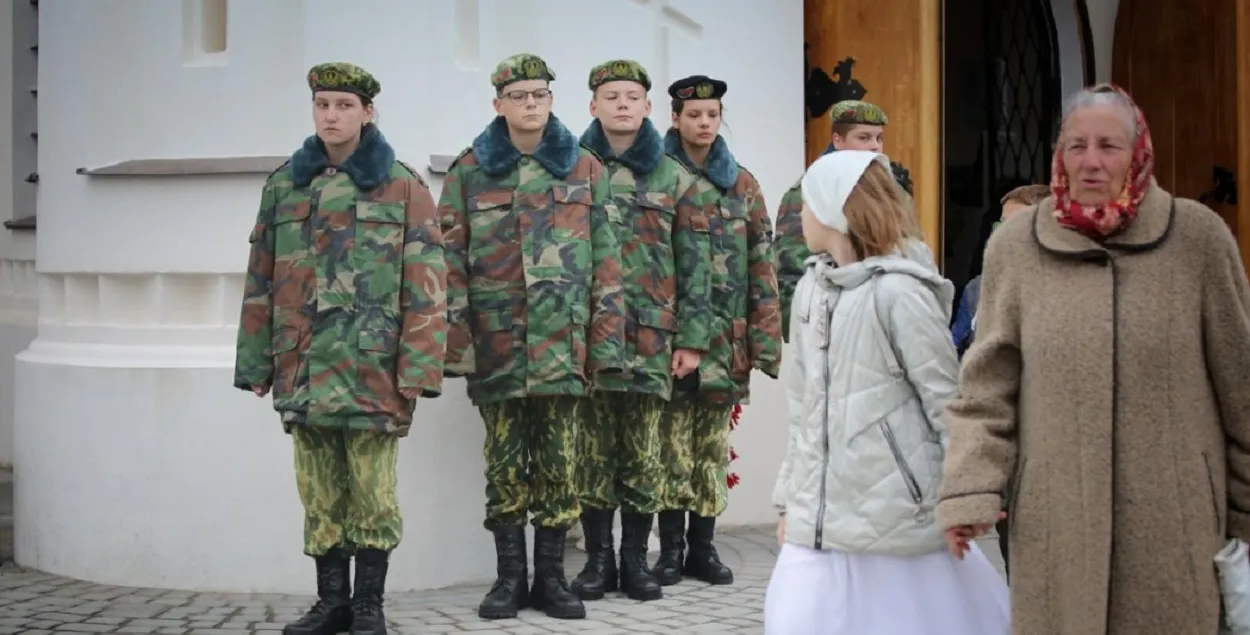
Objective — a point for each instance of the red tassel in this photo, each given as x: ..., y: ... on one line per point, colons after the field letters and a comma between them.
x: 732, y: 479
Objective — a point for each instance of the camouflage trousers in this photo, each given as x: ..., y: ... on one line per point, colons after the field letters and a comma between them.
x: 694, y: 437
x: 346, y: 481
x: 619, y: 458
x: 530, y: 449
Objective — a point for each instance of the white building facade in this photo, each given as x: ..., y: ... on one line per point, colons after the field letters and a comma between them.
x: 136, y: 462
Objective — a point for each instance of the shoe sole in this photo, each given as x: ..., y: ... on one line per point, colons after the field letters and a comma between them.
x: 639, y: 596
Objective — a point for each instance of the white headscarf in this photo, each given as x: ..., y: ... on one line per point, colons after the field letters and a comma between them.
x: 828, y: 183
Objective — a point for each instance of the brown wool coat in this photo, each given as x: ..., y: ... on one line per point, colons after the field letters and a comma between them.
x: 1110, y: 382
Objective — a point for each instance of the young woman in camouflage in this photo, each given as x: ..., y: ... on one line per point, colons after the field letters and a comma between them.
x: 344, y: 320
x: 535, y: 306
x: 654, y: 209
x: 746, y: 334
x: 857, y: 125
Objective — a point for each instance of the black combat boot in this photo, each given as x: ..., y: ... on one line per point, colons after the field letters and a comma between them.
x: 333, y: 611
x: 667, y: 569
x: 550, y: 592
x: 599, y: 576
x: 702, y: 561
x: 367, y: 615
x: 636, y: 580
x: 510, y: 593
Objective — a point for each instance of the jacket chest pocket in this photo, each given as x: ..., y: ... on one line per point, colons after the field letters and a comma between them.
x: 294, y: 265
x: 653, y: 225
x: 731, y: 234
x: 379, y: 252
x: 492, y: 226
x: 570, y: 218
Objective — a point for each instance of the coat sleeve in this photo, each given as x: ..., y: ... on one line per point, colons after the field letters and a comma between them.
x: 981, y: 419
x: 763, y: 297
x: 922, y: 344
x: 796, y: 385
x: 461, y: 356
x: 791, y: 251
x: 423, y: 296
x: 1226, y: 333
x: 253, y: 362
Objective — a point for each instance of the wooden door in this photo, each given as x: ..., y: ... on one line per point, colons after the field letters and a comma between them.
x: 1185, y: 63
x: 891, y: 58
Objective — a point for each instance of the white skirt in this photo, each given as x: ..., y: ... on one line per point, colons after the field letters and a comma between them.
x: 837, y: 593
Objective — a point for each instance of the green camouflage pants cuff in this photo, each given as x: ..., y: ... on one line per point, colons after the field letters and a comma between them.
x: 530, y: 448
x: 347, y: 484
x: 619, y: 457
x: 695, y: 453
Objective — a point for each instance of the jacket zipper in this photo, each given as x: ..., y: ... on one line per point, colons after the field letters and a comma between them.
x: 824, y: 438
x: 913, y: 487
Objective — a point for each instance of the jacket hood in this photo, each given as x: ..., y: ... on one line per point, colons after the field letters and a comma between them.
x: 915, y: 260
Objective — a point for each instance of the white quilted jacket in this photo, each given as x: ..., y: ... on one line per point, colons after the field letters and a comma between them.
x: 874, y: 368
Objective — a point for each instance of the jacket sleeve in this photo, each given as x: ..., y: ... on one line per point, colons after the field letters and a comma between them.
x: 961, y: 329
x: 422, y: 295
x: 692, y: 244
x: 981, y: 419
x: 460, y: 356
x: 764, y: 300
x: 796, y: 385
x: 1226, y: 330
x: 922, y: 344
x: 791, y: 250
x: 253, y: 362
x: 607, y: 297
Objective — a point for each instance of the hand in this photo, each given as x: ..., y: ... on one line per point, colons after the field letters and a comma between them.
x: 781, y: 532
x: 411, y: 394
x: 685, y: 361
x: 260, y: 391
x: 958, y: 539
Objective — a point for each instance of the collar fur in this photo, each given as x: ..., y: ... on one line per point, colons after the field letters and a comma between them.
x: 557, y: 152
x: 367, y: 167
x: 721, y: 168
x: 641, y: 158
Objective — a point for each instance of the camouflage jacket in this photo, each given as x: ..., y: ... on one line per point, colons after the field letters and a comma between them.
x: 535, y: 300
x: 792, y: 250
x: 746, y: 307
x: 654, y: 208
x: 344, y: 305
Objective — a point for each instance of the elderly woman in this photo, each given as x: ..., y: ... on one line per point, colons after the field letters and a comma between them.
x: 1107, y: 384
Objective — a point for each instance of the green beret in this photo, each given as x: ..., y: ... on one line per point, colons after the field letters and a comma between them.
x: 619, y: 70
x: 343, y: 77
x: 697, y: 87
x: 521, y: 67
x: 861, y: 112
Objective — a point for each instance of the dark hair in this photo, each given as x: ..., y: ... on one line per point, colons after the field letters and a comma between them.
x: 680, y: 104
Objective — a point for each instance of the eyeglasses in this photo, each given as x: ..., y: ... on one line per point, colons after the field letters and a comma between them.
x: 519, y: 97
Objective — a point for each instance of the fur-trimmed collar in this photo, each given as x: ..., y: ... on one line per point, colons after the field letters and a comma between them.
x: 367, y: 167
x: 642, y: 157
x: 557, y: 152
x: 721, y: 167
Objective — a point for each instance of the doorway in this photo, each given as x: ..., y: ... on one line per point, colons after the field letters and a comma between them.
x: 1002, y: 92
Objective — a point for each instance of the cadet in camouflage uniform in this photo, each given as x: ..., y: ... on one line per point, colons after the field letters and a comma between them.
x: 746, y: 334
x: 344, y: 320
x: 665, y: 253
x: 857, y: 125
x: 536, y: 311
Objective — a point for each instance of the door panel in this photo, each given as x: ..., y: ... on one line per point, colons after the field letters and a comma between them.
x: 897, y: 61
x: 1178, y: 58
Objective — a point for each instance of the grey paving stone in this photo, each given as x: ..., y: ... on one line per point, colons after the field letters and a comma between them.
x: 36, y: 603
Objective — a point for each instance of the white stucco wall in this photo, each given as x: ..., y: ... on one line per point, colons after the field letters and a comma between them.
x: 138, y: 463
x: 17, y: 250
x: 1101, y: 15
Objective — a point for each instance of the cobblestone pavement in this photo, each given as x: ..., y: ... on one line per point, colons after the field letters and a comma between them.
x: 39, y: 604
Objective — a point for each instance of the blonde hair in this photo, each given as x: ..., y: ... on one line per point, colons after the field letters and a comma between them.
x: 878, y: 221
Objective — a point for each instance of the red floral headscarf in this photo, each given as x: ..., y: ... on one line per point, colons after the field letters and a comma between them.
x: 1101, y: 221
